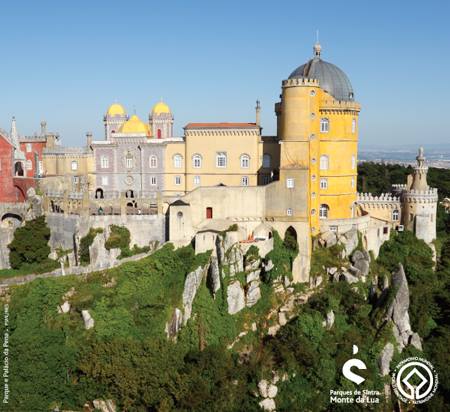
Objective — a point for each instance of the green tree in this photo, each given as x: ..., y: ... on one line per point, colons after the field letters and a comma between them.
x: 30, y: 244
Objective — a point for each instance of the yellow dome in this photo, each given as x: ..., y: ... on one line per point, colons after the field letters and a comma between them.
x: 135, y: 125
x: 160, y: 107
x: 116, y: 109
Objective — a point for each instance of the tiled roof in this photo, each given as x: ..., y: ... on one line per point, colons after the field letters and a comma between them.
x: 222, y: 125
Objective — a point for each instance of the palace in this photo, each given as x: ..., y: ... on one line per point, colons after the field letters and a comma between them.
x: 218, y: 174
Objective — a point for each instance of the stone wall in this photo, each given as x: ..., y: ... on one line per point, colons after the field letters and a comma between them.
x: 143, y: 228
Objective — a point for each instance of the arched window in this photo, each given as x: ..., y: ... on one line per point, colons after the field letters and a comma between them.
x: 221, y: 159
x: 104, y: 162
x: 99, y: 193
x: 324, y: 183
x: 245, y: 161
x: 177, y: 161
x: 129, y: 161
x: 323, y: 211
x: 324, y: 162
x: 267, y: 160
x: 395, y: 215
x: 196, y: 161
x: 74, y: 165
x: 324, y: 125
x: 159, y: 133
x: 353, y: 125
x: 153, y: 162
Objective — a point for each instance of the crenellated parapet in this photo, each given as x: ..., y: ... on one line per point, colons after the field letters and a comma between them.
x: 385, y: 200
x: 300, y: 82
x: 421, y: 196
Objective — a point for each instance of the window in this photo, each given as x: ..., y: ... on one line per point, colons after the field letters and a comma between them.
x: 353, y: 125
x: 196, y: 161
x: 267, y: 161
x: 324, y: 125
x: 177, y: 161
x: 245, y: 161
x: 324, y: 183
x: 209, y: 213
x: 75, y: 180
x: 197, y: 180
x: 28, y: 147
x: 290, y: 183
x: 353, y: 182
x: 29, y: 165
x: 312, y: 93
x: 324, y: 162
x: 129, y: 161
x: 74, y: 165
x: 323, y: 211
x: 395, y: 215
x: 104, y: 180
x: 221, y: 159
x: 40, y: 168
x: 353, y: 162
x: 178, y: 180
x: 333, y: 229
x: 153, y: 162
x: 104, y: 162
x: 153, y: 180
x: 159, y: 134
x: 289, y: 212
x: 244, y: 181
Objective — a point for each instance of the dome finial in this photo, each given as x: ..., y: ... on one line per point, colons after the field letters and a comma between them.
x: 317, y: 47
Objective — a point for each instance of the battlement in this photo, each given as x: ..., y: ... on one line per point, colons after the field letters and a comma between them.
x: 383, y: 198
x: 300, y: 82
x: 421, y: 196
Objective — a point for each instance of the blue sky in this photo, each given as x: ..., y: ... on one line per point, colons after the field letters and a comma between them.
x: 67, y: 61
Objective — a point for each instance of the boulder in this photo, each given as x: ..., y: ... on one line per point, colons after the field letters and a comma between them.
x: 253, y: 293
x: 64, y: 308
x: 214, y: 275
x: 268, y: 266
x: 272, y: 391
x: 349, y: 240
x: 263, y: 387
x: 328, y: 238
x: 235, y: 297
x: 234, y: 258
x: 191, y: 285
x: 384, y: 361
x: 416, y: 341
x: 88, y: 320
x: 347, y: 277
x: 331, y: 271
x: 173, y: 327
x: 104, y: 406
x: 329, y: 322
x: 282, y: 318
x: 267, y: 404
x: 398, y: 308
x: 100, y: 257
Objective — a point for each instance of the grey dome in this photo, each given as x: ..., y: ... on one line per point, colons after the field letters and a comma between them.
x: 331, y: 78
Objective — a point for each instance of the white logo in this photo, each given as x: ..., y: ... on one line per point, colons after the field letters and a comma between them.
x: 358, y: 363
x: 414, y: 379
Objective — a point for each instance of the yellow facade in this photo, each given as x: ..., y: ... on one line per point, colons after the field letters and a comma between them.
x: 240, y: 146
x: 320, y: 134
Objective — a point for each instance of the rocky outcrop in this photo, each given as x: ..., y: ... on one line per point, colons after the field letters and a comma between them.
x: 105, y: 406
x: 329, y: 321
x: 214, y: 275
x: 361, y: 262
x: 191, y: 285
x: 64, y: 308
x: 174, y: 326
x: 349, y: 240
x: 235, y: 297
x: 88, y: 320
x: 384, y: 361
x: 268, y: 390
x: 100, y: 257
x: 398, y: 308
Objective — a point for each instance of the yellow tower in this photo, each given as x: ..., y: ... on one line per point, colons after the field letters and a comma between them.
x: 318, y: 129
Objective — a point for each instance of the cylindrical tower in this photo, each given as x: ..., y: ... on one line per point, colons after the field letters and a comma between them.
x: 318, y: 127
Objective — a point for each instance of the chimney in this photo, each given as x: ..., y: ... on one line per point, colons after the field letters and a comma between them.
x: 258, y: 114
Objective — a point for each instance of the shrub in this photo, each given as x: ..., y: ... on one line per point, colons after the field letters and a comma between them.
x: 85, y: 242
x: 30, y: 244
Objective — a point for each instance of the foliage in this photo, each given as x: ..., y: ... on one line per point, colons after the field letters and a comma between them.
x: 283, y: 254
x: 323, y: 258
x: 85, y: 243
x: 29, y: 248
